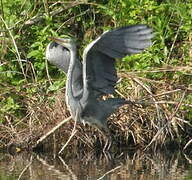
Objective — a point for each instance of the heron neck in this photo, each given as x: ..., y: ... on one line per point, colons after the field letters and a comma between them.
x: 69, y: 83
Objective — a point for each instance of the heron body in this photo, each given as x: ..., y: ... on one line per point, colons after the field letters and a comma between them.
x: 96, y: 76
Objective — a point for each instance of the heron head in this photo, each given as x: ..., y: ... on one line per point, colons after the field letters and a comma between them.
x: 65, y: 42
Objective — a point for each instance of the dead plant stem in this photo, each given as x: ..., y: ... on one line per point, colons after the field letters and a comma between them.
x: 170, y: 120
x: 72, y: 134
x: 52, y: 131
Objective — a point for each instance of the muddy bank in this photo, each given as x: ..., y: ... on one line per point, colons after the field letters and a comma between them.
x: 159, y: 123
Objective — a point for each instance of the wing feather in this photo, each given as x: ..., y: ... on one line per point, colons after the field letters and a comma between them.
x: 99, y: 58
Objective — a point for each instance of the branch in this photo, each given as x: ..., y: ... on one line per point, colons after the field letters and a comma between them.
x: 37, y: 18
x: 52, y: 131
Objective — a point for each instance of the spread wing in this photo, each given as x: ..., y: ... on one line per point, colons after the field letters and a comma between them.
x: 100, y: 75
x: 60, y: 56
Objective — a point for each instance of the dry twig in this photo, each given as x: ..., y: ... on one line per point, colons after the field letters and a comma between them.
x: 112, y: 170
x: 52, y: 131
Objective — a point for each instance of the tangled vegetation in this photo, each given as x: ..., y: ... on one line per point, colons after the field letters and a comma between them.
x: 32, y: 91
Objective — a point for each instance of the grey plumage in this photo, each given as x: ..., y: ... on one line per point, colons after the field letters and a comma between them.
x: 60, y: 56
x: 96, y: 75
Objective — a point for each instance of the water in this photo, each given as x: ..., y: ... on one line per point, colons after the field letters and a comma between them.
x: 130, y: 166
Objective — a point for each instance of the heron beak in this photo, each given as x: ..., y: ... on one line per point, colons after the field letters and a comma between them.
x: 58, y: 40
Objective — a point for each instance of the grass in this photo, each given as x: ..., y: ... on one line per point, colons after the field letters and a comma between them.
x: 32, y: 91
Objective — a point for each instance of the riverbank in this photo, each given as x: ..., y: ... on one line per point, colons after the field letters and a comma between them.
x: 160, y: 121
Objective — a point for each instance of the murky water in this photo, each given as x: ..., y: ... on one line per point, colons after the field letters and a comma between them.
x: 130, y: 166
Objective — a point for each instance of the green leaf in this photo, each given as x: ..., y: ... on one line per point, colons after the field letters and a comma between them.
x: 57, y: 85
x: 33, y: 53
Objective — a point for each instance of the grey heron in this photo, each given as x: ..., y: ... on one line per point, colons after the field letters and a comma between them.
x: 88, y: 80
